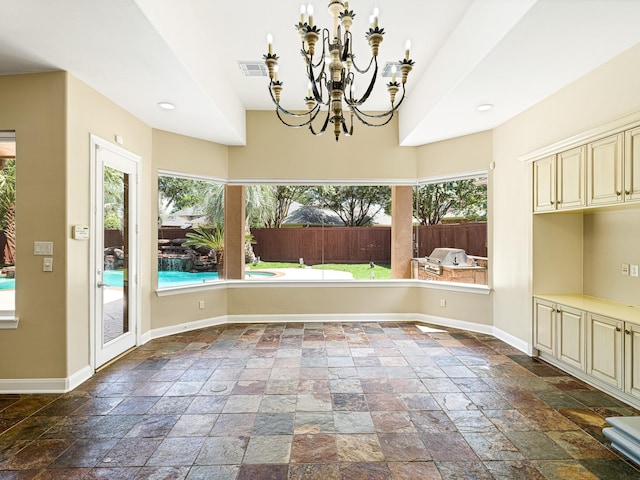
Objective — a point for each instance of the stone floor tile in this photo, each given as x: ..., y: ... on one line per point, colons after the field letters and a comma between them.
x: 564, y: 470
x: 365, y: 471
x: 314, y: 422
x: 353, y: 422
x: 537, y: 446
x: 130, y: 452
x: 263, y: 472
x: 359, y: 448
x: 581, y: 446
x: 314, y: 471
x: 448, y: 447
x: 268, y: 449
x: 401, y: 447
x: 393, y: 422
x: 213, y: 472
x: 176, y: 452
x: 222, y: 451
x: 314, y: 448
x: 274, y: 424
x: 513, y: 470
x: 463, y: 470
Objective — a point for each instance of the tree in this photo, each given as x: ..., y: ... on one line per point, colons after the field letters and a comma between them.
x: 466, y: 198
x: 8, y: 206
x: 210, y: 238
x: 282, y: 197
x: 180, y: 193
x: 355, y: 205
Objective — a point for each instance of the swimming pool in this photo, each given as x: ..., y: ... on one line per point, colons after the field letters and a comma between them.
x: 7, y: 283
x: 170, y: 278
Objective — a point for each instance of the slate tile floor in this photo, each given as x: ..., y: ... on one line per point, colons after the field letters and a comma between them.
x: 316, y: 401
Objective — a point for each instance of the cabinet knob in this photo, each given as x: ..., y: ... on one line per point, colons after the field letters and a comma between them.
x: 618, y: 193
x: 618, y: 329
x: 552, y: 202
x: 627, y: 332
x: 627, y: 192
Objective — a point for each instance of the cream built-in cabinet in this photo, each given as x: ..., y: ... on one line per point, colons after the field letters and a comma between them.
x: 579, y: 184
x: 600, y: 349
x: 559, y: 330
x: 559, y: 181
x: 632, y: 165
x: 605, y: 171
x: 614, y: 353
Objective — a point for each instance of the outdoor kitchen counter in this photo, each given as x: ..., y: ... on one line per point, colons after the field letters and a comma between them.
x: 600, y: 306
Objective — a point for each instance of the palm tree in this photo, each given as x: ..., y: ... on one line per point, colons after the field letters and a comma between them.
x: 210, y: 238
x: 8, y: 206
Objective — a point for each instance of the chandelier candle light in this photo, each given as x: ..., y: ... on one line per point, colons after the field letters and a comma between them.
x: 331, y: 75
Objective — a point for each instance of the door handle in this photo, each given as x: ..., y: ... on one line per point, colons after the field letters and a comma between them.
x: 99, y: 284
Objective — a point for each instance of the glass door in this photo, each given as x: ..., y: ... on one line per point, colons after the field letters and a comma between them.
x: 115, y: 286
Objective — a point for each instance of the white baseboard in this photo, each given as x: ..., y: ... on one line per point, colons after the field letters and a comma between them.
x: 45, y: 385
x: 515, y: 342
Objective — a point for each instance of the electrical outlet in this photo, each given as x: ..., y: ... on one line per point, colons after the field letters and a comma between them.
x: 625, y: 269
x: 443, y: 302
x: 201, y: 304
x: 634, y: 270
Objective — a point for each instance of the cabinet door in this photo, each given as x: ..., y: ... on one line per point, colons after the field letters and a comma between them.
x: 544, y: 334
x: 604, y: 349
x: 604, y: 171
x: 632, y: 165
x: 571, y: 182
x: 571, y: 336
x: 544, y: 184
x: 632, y: 359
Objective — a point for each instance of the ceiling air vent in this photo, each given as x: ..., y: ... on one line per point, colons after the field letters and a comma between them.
x: 386, y: 71
x: 253, y: 69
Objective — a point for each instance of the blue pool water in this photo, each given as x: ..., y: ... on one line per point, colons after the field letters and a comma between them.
x: 168, y: 278
x: 7, y: 283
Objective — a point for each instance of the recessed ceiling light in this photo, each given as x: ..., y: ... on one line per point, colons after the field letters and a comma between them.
x: 166, y: 105
x: 484, y: 107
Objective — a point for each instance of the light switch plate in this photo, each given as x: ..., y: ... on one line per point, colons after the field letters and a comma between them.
x: 625, y: 269
x: 47, y: 264
x: 634, y: 270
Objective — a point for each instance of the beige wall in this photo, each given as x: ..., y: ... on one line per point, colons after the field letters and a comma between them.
x: 88, y: 113
x: 34, y: 106
x: 459, y: 155
x: 321, y: 300
x: 612, y: 238
x: 274, y: 152
x: 607, y: 93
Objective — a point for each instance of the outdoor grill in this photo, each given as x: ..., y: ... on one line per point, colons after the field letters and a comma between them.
x: 445, y: 257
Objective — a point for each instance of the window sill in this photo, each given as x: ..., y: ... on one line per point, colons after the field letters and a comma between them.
x: 8, y: 321
x: 241, y: 284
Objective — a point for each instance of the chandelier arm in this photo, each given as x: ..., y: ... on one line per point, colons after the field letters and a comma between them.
x: 347, y: 131
x: 312, y: 116
x: 317, y: 94
x: 324, y: 125
x: 279, y: 108
x: 363, y: 116
x: 353, y: 62
x: 372, y: 83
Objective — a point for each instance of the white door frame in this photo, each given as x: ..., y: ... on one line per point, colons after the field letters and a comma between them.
x: 95, y: 296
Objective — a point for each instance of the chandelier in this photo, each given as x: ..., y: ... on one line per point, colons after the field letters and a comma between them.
x: 331, y: 74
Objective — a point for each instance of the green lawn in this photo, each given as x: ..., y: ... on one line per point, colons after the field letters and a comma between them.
x: 360, y: 271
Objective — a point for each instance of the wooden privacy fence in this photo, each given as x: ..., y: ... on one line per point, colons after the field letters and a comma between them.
x: 323, y: 245
x: 343, y: 244
x: 471, y: 237
x: 361, y: 244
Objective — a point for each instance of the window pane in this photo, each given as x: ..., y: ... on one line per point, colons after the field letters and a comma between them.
x: 325, y: 232
x: 190, y: 231
x: 7, y: 221
x: 451, y: 231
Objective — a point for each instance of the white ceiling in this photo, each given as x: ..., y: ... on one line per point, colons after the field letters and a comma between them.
x: 510, y: 53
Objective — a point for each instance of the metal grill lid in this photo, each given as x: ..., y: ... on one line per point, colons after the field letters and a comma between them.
x: 448, y: 256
